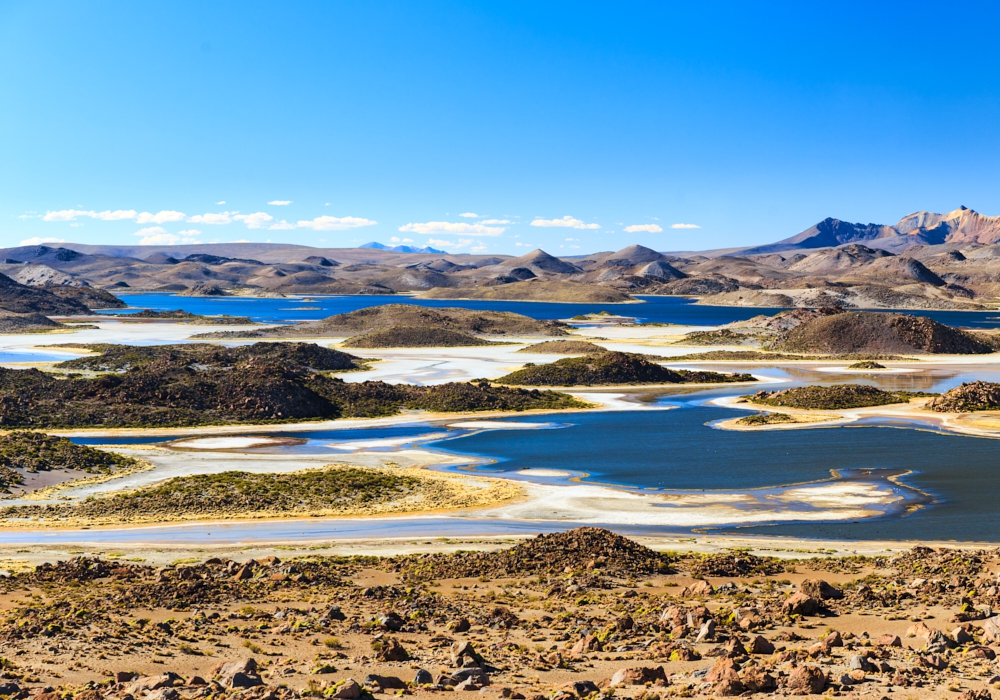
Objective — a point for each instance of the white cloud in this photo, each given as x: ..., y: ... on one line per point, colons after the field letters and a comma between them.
x: 648, y: 228
x: 397, y: 239
x: 572, y: 239
x: 70, y: 214
x: 280, y: 202
x: 281, y: 226
x: 220, y: 204
x: 524, y: 245
x: 447, y: 227
x: 469, y: 215
x: 162, y: 217
x: 477, y: 249
x: 565, y: 222
x: 156, y: 235
x: 41, y: 241
x: 256, y: 220
x: 439, y: 241
x: 684, y: 226
x: 223, y: 217
x: 494, y: 221
x: 335, y: 223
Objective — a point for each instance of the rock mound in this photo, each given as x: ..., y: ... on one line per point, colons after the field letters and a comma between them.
x: 870, y: 332
x: 582, y: 548
x: 834, y: 397
x: 25, y: 451
x: 26, y: 323
x: 414, y: 337
x: 611, y: 368
x: 969, y: 397
x: 564, y: 347
x: 386, y: 316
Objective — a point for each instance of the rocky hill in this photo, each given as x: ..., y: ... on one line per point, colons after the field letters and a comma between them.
x: 564, y: 347
x: 612, y: 369
x: 414, y: 337
x: 830, y: 398
x: 23, y: 451
x: 867, y: 332
x: 969, y: 397
x: 267, y: 382
x: 22, y: 299
x: 387, y: 316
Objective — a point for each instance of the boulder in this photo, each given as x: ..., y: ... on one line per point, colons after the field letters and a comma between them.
x: 462, y: 624
x: 832, y: 640
x: 756, y: 680
x: 639, y: 676
x: 226, y: 670
x: 820, y: 589
x: 889, y: 640
x: 698, y: 589
x: 587, y: 643
x: 244, y: 680
x: 348, y: 690
x: 456, y: 677
x: 392, y: 650
x: 333, y: 613
x: 150, y: 683
x: 386, y: 682
x: 918, y: 629
x: 975, y: 695
x: 760, y: 645
x: 463, y: 652
x: 991, y: 629
x: 580, y: 689
x: 960, y: 635
x: 723, y: 667
x: 707, y: 631
x: 807, y: 678
x: 800, y: 604
x: 423, y: 677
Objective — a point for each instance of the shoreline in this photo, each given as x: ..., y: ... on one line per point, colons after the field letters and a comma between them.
x: 946, y: 423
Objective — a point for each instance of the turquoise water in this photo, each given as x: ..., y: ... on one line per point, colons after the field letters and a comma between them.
x: 655, y: 309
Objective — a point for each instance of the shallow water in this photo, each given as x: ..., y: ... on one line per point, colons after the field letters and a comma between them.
x: 656, y: 309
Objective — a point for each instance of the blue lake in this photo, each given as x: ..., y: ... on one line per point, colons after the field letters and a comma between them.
x: 654, y: 309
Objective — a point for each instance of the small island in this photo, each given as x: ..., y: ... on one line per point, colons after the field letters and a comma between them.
x: 613, y: 369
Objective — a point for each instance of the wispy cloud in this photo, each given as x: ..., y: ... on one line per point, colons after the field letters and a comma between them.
x: 162, y: 217
x: 256, y: 220
x: 648, y: 228
x: 448, y: 227
x: 281, y: 226
x: 280, y: 202
x: 222, y: 217
x: 397, y: 239
x: 565, y: 222
x: 469, y: 215
x: 335, y: 223
x: 220, y: 204
x: 70, y: 214
x: 41, y: 241
x: 157, y: 235
x: 494, y: 221
x: 684, y: 226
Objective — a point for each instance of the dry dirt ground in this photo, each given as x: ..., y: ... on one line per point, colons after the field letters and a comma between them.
x: 583, y: 614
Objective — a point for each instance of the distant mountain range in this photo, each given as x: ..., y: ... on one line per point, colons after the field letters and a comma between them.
x: 963, y: 225
x: 401, y: 248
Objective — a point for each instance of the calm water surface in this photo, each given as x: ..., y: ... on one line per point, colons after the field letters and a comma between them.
x: 654, y: 310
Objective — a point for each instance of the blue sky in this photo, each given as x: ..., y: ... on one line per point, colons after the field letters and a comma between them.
x: 559, y: 125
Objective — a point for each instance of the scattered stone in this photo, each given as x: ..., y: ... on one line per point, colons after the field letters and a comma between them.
x: 820, y: 590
